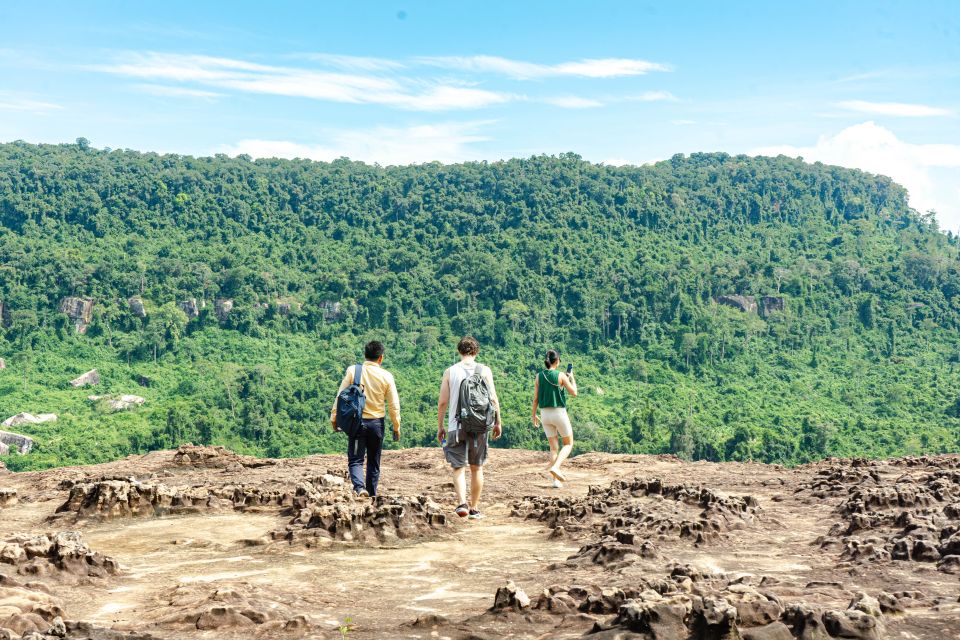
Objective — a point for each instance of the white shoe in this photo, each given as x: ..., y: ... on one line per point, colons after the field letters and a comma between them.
x: 557, y: 484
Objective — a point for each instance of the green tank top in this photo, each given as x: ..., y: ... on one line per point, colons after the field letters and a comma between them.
x: 551, y: 394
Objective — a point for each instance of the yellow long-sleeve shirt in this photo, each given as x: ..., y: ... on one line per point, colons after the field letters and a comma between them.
x: 380, y: 389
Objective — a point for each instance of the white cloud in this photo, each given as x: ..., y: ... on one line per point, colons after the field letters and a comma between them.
x: 17, y: 102
x: 521, y: 70
x: 573, y: 102
x: 609, y: 68
x: 239, y: 75
x: 651, y: 96
x: 444, y: 142
x: 174, y: 92
x: 900, y: 109
x: 368, y: 80
x: 353, y: 63
x: 928, y: 171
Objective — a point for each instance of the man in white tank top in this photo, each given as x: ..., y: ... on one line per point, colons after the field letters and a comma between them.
x: 459, y: 449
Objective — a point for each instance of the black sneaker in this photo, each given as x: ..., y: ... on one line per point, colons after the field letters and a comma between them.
x: 462, y: 511
x: 362, y: 493
x: 475, y: 514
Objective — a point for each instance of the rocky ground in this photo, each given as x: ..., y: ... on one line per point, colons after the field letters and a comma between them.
x: 204, y: 543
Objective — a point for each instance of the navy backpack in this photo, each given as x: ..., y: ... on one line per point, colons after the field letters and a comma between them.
x: 350, y: 405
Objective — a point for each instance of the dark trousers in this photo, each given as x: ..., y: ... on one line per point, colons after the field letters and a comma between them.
x: 368, y: 442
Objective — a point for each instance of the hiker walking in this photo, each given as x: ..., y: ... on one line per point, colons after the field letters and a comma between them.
x: 359, y: 411
x: 468, y: 410
x: 550, y: 396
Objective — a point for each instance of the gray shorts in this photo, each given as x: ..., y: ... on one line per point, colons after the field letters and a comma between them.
x: 468, y: 449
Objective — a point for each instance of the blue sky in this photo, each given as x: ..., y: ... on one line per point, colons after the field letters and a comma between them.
x: 874, y: 85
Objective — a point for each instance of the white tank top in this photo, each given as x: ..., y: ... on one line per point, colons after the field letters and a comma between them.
x: 458, y: 373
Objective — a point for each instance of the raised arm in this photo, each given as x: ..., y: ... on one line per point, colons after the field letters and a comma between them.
x: 567, y: 382
x: 442, y: 405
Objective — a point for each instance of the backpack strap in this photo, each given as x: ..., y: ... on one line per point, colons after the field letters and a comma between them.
x: 357, y: 372
x: 456, y: 413
x: 544, y: 374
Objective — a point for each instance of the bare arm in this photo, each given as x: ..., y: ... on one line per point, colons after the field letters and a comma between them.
x: 568, y: 383
x: 536, y: 399
x: 442, y: 405
x: 347, y: 380
x: 495, y: 401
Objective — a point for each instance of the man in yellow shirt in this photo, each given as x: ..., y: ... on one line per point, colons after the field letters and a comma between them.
x: 380, y: 390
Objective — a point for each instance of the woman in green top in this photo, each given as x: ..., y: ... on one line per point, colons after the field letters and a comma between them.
x: 550, y: 396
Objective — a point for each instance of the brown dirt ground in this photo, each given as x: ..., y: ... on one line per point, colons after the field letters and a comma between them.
x: 454, y: 572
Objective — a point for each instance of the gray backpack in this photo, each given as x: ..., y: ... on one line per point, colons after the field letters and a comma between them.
x: 475, y: 412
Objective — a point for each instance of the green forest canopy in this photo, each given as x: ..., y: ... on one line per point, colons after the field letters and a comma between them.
x: 620, y: 268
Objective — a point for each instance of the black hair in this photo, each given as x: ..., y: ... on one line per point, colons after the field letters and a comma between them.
x: 373, y: 350
x: 552, y: 358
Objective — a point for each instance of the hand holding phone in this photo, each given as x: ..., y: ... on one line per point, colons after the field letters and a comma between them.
x: 569, y: 368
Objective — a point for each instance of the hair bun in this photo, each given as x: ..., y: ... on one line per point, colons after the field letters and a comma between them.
x: 551, y: 357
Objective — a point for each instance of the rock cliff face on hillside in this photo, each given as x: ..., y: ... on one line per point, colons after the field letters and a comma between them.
x: 222, y: 309
x: 137, y: 307
x: 772, y: 304
x: 79, y: 310
x: 191, y: 307
x: 88, y: 379
x: 747, y: 304
x: 206, y: 543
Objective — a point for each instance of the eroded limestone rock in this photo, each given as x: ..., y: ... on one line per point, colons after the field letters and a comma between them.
x: 88, y: 379
x: 52, y: 553
x: 124, y: 402
x: 23, y: 444
x: 79, y: 310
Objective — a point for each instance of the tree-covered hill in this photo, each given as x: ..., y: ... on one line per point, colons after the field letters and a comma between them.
x: 260, y: 280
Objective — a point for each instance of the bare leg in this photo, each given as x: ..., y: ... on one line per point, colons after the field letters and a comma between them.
x: 553, y: 451
x: 564, y: 453
x: 476, y: 485
x: 460, y: 485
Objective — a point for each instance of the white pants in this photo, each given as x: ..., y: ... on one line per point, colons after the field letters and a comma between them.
x: 555, y: 421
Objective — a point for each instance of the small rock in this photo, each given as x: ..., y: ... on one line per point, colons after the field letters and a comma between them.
x: 852, y: 624
x: 889, y: 603
x: 773, y: 631
x: 58, y: 629
x: 428, y: 620
x: 806, y: 621
x: 866, y: 604
x: 949, y: 564
x: 8, y: 497
x: 221, y: 618
x: 328, y: 480
x: 510, y: 596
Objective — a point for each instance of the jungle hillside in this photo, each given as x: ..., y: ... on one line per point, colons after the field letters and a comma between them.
x: 716, y: 307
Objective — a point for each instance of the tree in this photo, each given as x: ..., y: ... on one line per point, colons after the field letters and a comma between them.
x: 681, y: 439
